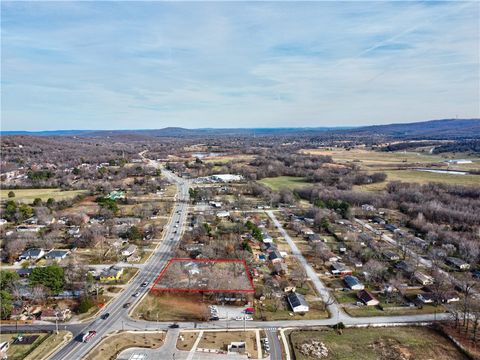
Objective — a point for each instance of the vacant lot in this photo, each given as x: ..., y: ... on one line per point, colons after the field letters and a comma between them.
x: 28, y: 195
x: 186, y: 340
x: 290, y: 182
x: 112, y: 345
x: 400, y: 343
x: 171, y: 307
x: 220, y: 340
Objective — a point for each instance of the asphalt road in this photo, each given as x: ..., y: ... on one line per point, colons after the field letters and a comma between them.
x: 118, y: 318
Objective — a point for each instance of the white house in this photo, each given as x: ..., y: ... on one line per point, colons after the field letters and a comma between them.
x: 130, y: 250
x: 297, y: 303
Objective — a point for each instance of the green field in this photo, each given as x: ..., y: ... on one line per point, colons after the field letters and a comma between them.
x: 290, y: 182
x: 418, y: 343
x: 28, y: 195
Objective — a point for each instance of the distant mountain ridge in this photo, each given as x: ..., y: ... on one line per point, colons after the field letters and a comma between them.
x: 432, y: 129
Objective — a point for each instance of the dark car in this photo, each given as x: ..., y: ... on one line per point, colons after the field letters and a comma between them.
x: 144, y: 284
x: 105, y: 316
x: 126, y: 305
x: 174, y: 326
x: 214, y: 318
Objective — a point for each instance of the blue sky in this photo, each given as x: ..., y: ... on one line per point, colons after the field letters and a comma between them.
x: 125, y: 65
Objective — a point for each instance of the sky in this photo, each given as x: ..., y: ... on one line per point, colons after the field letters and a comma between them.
x: 132, y: 65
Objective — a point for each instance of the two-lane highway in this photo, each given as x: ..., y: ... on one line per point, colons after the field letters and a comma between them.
x: 148, y: 273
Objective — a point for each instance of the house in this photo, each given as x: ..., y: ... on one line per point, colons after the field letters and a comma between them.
x: 306, y: 232
x: 57, y: 255
x: 390, y: 255
x: 419, y: 242
x: 32, y: 254
x: 116, y: 195
x: 111, y: 274
x: 340, y: 269
x: 314, y: 238
x: 391, y: 227
x: 405, y: 266
x: 297, y: 302
x: 130, y: 250
x: 238, y: 347
x: 29, y: 228
x: 267, y: 239
x: 275, y: 256
x: 422, y: 278
x: 367, y: 298
x: 450, y: 297
x: 53, y: 315
x: 379, y: 220
x: 368, y: 207
x: 457, y: 263
x: 223, y: 214
x: 426, y: 298
x: 353, y: 283
x: 24, y: 272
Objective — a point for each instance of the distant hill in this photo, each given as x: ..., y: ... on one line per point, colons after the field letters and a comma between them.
x: 433, y: 129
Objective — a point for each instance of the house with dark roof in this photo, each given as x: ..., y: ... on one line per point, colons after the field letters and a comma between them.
x: 390, y: 255
x: 353, y: 283
x: 275, y: 256
x: 57, y: 255
x: 457, y: 263
x: 32, y: 254
x: 367, y: 298
x: 297, y: 302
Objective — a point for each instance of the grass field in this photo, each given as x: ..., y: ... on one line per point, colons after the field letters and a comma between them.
x: 112, y: 345
x: 290, y: 182
x: 171, y: 307
x: 400, y: 343
x: 421, y: 177
x: 28, y: 195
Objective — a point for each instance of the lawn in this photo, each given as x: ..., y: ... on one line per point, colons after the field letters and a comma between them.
x: 171, y: 307
x: 290, y: 182
x: 28, y: 195
x: 20, y: 351
x: 220, y: 340
x: 268, y: 313
x: 379, y: 343
x: 112, y: 345
x: 48, y: 345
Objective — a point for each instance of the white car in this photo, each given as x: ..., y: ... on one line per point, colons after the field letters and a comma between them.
x: 239, y: 318
x: 248, y: 318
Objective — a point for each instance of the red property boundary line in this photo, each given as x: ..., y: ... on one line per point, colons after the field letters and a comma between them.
x: 153, y: 289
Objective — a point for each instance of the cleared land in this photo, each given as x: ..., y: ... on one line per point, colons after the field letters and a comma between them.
x: 290, y: 182
x: 171, y: 307
x: 112, y: 345
x: 28, y: 195
x: 219, y: 275
x: 379, y: 343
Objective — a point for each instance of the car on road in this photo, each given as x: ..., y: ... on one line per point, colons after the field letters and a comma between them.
x: 214, y: 318
x: 144, y: 284
x: 137, y: 294
x: 105, y: 316
x: 248, y: 318
x: 88, y: 336
x: 174, y: 326
x: 126, y: 305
